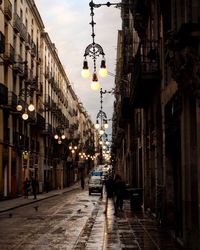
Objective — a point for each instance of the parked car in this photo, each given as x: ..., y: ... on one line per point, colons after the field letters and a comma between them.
x: 96, y: 173
x: 95, y: 184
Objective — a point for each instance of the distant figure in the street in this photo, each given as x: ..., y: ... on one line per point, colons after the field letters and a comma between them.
x: 109, y: 187
x: 26, y: 188
x: 109, y: 190
x: 34, y: 187
x: 47, y: 186
x: 82, y: 182
x: 119, y: 192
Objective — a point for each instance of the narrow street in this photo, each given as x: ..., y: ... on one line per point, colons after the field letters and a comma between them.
x: 76, y: 220
x: 53, y: 223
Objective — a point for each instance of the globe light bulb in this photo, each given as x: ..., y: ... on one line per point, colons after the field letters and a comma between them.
x: 106, y: 125
x: 85, y: 73
x: 19, y: 107
x: 95, y: 85
x: 101, y: 131
x: 103, y: 72
x: 63, y: 137
x: 97, y: 125
x: 31, y: 107
x: 56, y: 137
x: 25, y: 116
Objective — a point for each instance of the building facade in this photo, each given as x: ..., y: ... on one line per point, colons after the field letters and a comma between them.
x: 34, y: 84
x: 156, y: 129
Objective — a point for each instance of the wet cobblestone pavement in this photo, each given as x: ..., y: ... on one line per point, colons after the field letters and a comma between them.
x: 80, y: 224
x: 126, y: 231
x: 135, y: 230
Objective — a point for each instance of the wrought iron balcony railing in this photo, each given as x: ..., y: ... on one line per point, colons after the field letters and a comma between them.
x: 9, y: 54
x: 3, y: 94
x: 12, y: 100
x: 2, y: 43
x: 40, y: 121
x: 146, y: 72
x: 8, y: 9
x: 23, y: 32
x: 28, y: 41
x: 33, y: 49
x: 17, y: 23
x: 18, y: 65
x: 48, y: 129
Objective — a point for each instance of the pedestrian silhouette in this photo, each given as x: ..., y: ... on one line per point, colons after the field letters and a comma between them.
x: 47, y: 186
x: 82, y: 182
x: 26, y: 187
x: 109, y: 190
x: 34, y: 187
x: 119, y: 192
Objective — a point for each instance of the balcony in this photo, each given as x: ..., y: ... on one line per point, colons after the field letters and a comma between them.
x: 32, y: 117
x: 2, y: 43
x: 33, y: 49
x: 17, y: 23
x: 65, y: 102
x: 58, y: 113
x: 18, y: 66
x: 3, y: 94
x: 39, y: 121
x: 29, y: 75
x: 23, y: 32
x: 48, y: 102
x: 9, y: 54
x: 16, y: 139
x: 47, y: 73
x: 12, y: 100
x: 6, y: 136
x: 124, y: 111
x: 39, y: 91
x: 182, y: 56
x: 140, y: 15
x: 65, y: 122
x: 48, y: 130
x: 28, y: 42
x: 8, y: 9
x: 146, y: 74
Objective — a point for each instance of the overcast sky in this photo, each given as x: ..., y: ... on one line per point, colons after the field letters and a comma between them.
x: 67, y: 22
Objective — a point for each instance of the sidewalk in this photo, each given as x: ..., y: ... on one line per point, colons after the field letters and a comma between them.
x: 7, y: 205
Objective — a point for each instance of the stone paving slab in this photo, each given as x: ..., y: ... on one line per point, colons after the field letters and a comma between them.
x: 6, y: 205
x: 128, y: 230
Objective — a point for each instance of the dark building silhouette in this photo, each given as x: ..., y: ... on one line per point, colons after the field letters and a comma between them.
x: 156, y: 136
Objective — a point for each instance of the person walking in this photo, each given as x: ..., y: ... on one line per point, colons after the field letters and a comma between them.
x: 47, y: 185
x: 26, y: 188
x: 82, y: 182
x: 109, y: 190
x: 119, y: 192
x: 34, y: 187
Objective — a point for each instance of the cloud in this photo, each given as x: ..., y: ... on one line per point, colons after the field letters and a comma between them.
x: 67, y: 23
